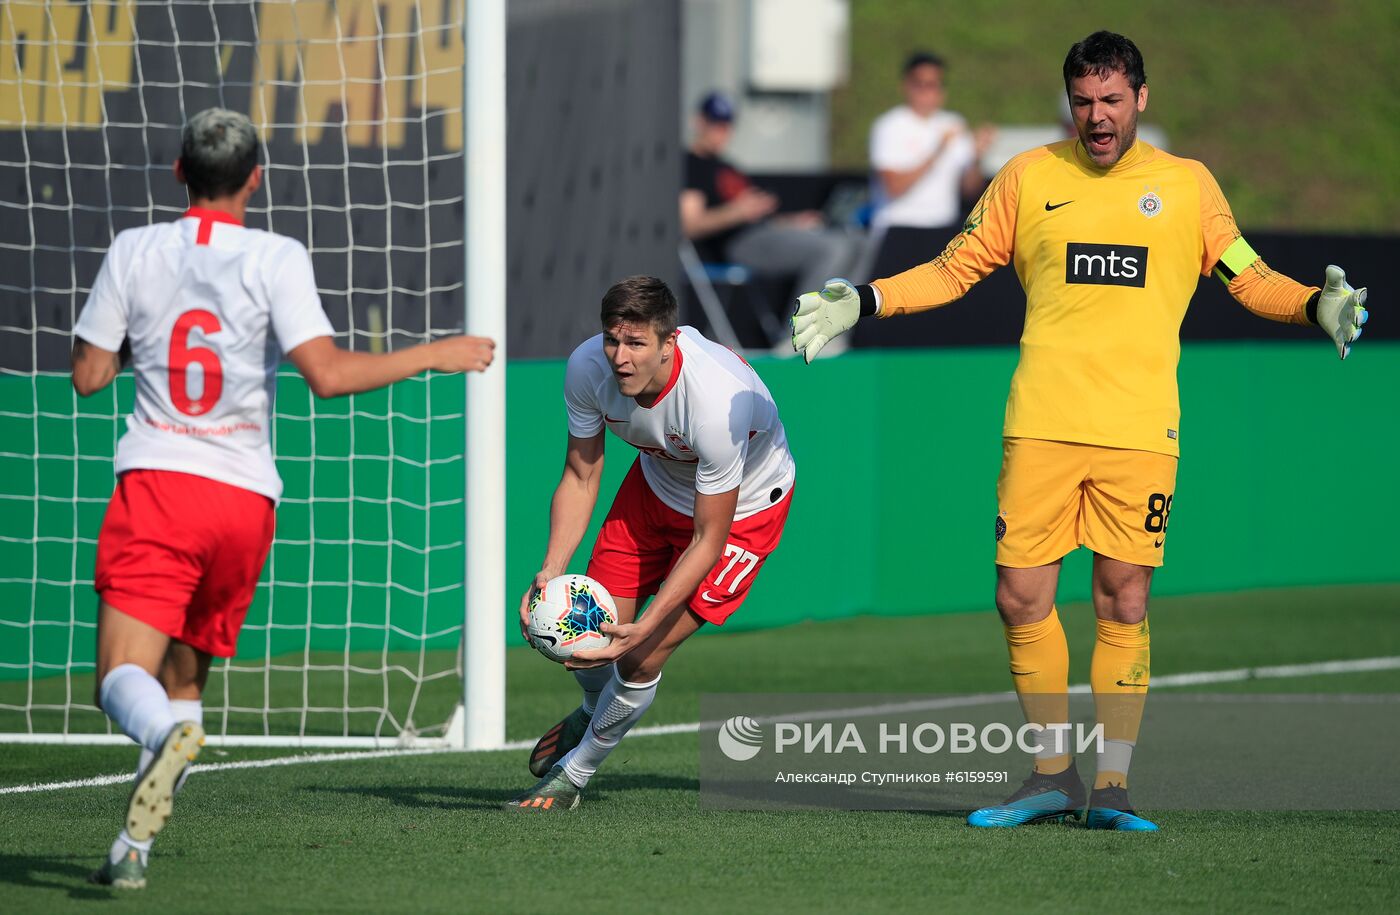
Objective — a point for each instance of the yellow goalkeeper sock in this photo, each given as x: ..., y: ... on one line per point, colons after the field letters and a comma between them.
x: 1119, y: 675
x: 1040, y: 672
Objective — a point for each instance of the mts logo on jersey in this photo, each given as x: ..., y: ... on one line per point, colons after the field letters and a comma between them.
x: 1106, y: 265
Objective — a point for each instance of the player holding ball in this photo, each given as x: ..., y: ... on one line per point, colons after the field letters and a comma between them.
x: 697, y: 515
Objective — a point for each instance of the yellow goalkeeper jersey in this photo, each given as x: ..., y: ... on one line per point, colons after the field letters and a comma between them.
x: 1109, y: 259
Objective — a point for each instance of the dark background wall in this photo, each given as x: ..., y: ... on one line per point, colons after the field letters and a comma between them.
x: 363, y: 163
x: 595, y: 160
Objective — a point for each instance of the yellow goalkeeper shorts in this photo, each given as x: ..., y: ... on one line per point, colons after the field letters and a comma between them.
x: 1055, y: 496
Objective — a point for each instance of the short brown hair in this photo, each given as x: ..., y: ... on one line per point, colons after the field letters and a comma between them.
x: 1102, y: 54
x: 641, y: 300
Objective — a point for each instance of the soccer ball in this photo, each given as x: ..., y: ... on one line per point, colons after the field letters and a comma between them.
x: 566, y: 614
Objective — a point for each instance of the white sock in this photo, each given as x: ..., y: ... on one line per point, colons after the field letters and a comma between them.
x: 620, y: 706
x: 1115, y: 756
x: 184, y: 710
x: 1054, y: 741
x: 593, y: 680
x: 137, y: 703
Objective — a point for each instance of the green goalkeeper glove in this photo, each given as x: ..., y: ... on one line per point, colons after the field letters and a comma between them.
x: 821, y: 316
x: 1341, y: 310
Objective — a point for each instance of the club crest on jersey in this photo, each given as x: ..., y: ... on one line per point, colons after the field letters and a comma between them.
x: 674, y: 439
x: 1149, y: 204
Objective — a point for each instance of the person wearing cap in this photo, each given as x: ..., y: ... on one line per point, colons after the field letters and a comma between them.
x: 924, y: 157
x: 732, y: 220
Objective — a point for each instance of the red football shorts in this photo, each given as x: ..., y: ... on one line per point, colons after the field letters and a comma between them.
x: 642, y: 538
x: 182, y: 553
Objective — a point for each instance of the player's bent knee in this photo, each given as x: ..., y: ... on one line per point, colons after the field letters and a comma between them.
x: 1020, y: 608
x: 1026, y: 595
x: 184, y: 671
x: 1126, y: 605
x: 189, y: 691
x: 1129, y: 613
x: 643, y: 665
x: 640, y: 670
x: 1121, y: 591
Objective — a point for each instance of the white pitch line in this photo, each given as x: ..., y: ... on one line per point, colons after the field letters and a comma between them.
x: 1197, y: 678
x: 101, y: 780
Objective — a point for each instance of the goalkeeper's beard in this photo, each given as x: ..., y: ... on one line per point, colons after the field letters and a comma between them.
x: 1124, y: 140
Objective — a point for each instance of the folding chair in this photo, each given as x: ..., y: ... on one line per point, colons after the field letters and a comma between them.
x: 702, y: 279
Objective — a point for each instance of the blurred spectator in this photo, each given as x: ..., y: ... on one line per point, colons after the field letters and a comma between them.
x: 1067, y: 117
x: 730, y: 220
x: 925, y: 158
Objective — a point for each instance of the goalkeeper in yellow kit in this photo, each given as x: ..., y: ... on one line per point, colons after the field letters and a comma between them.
x: 1108, y: 236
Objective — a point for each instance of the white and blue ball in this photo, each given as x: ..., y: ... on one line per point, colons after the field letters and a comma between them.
x: 566, y: 616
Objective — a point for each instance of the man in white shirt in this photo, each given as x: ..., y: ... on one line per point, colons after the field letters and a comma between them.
x: 700, y: 511
x: 924, y: 157
x: 203, y: 308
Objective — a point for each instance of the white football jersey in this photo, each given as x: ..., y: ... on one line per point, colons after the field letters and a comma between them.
x: 714, y: 427
x: 208, y: 307
x: 901, y: 140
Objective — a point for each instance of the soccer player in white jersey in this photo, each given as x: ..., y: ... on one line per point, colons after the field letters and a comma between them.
x: 699, y: 512
x: 204, y: 309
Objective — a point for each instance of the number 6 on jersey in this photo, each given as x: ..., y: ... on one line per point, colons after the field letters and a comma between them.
x: 182, y: 354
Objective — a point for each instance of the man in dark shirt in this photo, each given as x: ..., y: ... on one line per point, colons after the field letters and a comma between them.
x: 731, y: 220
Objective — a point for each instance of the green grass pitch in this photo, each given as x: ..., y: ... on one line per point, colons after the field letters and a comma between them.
x: 424, y: 833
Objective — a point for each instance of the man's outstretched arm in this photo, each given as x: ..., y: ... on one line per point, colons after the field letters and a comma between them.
x: 984, y: 244
x: 1336, y: 307
x: 334, y: 372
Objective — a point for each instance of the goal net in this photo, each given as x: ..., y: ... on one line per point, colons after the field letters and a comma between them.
x: 354, y: 636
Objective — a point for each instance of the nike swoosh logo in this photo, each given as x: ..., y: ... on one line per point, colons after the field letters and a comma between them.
x: 1143, y: 685
x: 1158, y: 544
x: 1023, y: 673
x: 705, y: 596
x: 1048, y: 207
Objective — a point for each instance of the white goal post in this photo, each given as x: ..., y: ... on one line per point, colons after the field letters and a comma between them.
x: 484, y: 674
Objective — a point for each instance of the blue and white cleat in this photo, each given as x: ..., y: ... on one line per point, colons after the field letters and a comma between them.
x: 1040, y: 799
x: 1109, y: 809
